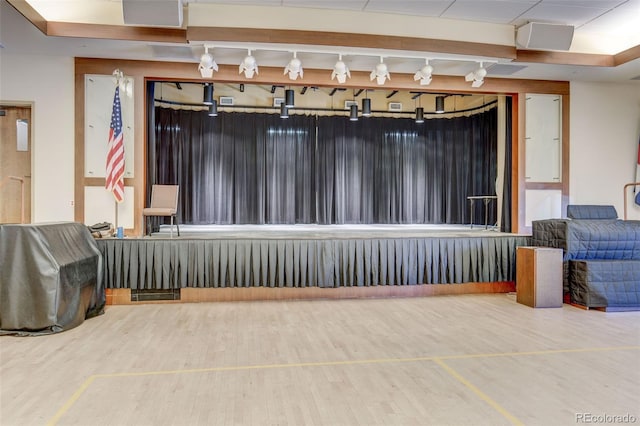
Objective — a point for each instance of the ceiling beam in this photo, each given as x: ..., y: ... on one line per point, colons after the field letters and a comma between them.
x: 26, y: 10
x: 116, y: 32
x: 626, y: 56
x: 564, y: 58
x: 346, y: 40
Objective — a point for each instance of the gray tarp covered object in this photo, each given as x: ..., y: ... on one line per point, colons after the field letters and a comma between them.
x: 50, y: 278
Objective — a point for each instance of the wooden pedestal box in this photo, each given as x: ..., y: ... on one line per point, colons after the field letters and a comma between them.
x: 539, y: 277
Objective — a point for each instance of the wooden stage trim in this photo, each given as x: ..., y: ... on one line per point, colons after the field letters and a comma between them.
x: 122, y: 296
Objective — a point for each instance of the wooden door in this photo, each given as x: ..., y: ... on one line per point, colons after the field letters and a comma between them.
x: 15, y: 164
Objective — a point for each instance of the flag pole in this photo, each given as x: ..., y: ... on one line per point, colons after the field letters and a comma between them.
x: 115, y: 156
x: 118, y: 75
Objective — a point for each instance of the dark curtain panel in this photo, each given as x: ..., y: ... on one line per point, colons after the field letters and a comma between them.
x: 345, y: 171
x: 385, y: 170
x: 505, y: 226
x: 259, y: 168
x: 238, y: 167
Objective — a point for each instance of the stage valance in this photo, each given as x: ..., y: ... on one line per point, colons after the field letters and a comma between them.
x: 154, y: 263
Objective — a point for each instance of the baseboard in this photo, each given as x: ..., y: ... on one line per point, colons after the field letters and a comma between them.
x: 196, y: 295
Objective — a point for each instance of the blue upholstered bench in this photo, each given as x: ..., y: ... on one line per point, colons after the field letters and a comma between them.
x: 601, y: 256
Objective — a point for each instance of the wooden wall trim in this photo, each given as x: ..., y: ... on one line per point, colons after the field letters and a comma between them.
x: 117, y: 32
x: 80, y: 181
x: 143, y: 71
x: 564, y: 58
x: 627, y: 56
x: 516, y: 167
x: 566, y: 138
x: 122, y: 296
x: 26, y: 10
x: 519, y: 159
x: 546, y: 185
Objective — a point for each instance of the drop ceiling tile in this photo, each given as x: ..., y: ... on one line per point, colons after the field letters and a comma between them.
x: 617, y: 20
x: 568, y: 13
x: 494, y: 11
x: 604, y: 4
x: 327, y: 4
x: 432, y: 8
x: 241, y: 2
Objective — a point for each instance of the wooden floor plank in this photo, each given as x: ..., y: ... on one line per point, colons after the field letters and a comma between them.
x: 462, y: 359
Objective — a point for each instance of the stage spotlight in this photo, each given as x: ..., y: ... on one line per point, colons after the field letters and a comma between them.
x: 380, y: 73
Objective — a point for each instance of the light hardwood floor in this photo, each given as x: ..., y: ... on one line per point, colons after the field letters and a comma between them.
x: 458, y: 360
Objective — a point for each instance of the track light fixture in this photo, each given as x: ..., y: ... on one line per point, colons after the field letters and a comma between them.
x: 207, y: 64
x: 419, y: 115
x: 353, y: 114
x: 213, y: 109
x: 380, y: 73
x: 477, y: 76
x: 284, y: 111
x: 249, y: 65
x: 366, y: 107
x: 207, y: 98
x: 440, y: 104
x: 340, y: 71
x: 424, y: 74
x: 294, y: 68
x: 289, y: 98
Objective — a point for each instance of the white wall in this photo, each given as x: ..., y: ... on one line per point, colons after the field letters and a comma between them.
x: 605, y: 127
x: 46, y: 82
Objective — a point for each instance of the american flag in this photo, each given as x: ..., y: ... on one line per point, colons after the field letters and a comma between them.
x: 115, y: 152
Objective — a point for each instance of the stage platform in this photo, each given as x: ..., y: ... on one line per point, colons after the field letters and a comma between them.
x: 317, y: 256
x: 325, y: 232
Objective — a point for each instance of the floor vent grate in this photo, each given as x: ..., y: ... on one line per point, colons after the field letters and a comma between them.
x: 147, y: 295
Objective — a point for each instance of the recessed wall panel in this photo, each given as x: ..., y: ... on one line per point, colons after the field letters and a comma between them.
x: 99, y: 94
